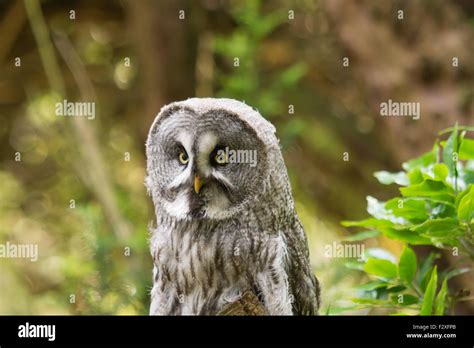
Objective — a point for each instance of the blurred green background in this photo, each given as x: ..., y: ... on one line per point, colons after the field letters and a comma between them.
x: 78, y: 189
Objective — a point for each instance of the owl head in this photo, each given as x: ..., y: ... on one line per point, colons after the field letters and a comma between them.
x: 207, y: 158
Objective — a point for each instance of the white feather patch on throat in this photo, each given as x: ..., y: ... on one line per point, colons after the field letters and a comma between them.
x: 179, y: 207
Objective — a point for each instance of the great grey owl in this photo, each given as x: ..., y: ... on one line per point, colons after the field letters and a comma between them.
x: 225, y: 217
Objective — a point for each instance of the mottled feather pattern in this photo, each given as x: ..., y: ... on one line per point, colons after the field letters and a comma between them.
x: 255, y: 242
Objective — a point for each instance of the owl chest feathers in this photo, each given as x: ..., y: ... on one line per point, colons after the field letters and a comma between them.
x: 200, y: 267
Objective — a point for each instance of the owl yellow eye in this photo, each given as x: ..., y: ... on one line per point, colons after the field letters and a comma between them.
x: 183, y: 157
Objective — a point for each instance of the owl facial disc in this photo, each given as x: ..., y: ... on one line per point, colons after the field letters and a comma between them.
x: 203, y: 164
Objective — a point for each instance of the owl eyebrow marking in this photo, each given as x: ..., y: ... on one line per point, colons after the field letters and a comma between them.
x: 206, y: 144
x: 186, y: 140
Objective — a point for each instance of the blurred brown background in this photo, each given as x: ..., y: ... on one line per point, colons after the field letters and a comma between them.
x: 132, y: 57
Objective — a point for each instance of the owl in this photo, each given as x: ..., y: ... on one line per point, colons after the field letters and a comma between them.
x: 225, y: 218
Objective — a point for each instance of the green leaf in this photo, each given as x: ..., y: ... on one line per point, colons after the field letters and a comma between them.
x: 430, y: 188
x: 427, y: 305
x: 372, y: 285
x: 444, y: 241
x: 415, y: 176
x: 440, y: 299
x: 461, y: 196
x: 440, y: 171
x: 396, y: 288
x: 371, y: 301
x: 408, y: 208
x: 388, y: 178
x: 371, y: 222
x: 381, y: 268
x: 424, y: 273
x: 445, y: 227
x: 378, y: 211
x: 361, y: 236
x: 466, y: 149
x: 425, y: 270
x: 405, y: 235
x: 406, y: 299
x: 409, y: 300
x: 442, y: 230
x: 465, y: 210
x: 407, y: 265
x: 441, y: 210
x: 450, y: 148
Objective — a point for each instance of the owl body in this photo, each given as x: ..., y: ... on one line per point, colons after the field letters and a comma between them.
x: 223, y: 228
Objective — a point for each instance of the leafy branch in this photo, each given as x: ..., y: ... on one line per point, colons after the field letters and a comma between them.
x: 436, y: 208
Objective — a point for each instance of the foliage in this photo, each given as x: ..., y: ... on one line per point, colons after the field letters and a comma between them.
x: 282, y: 62
x: 246, y: 80
x: 436, y: 208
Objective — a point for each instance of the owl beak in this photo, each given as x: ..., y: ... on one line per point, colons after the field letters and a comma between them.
x: 197, y: 183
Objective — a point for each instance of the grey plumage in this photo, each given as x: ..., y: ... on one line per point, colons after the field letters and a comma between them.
x: 238, y: 231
